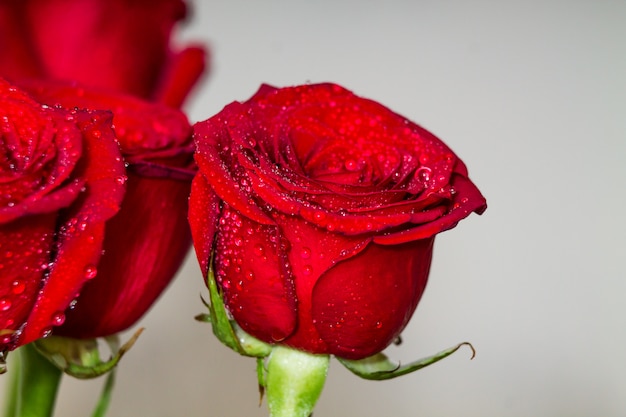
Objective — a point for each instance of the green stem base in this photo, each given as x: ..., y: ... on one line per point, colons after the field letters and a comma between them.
x: 295, y: 380
x: 37, y: 385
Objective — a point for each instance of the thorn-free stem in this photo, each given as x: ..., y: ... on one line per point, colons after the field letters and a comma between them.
x: 295, y: 380
x: 37, y: 386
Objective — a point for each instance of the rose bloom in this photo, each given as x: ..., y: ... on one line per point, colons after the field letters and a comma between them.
x: 320, y: 210
x: 120, y: 45
x: 146, y: 242
x: 59, y: 184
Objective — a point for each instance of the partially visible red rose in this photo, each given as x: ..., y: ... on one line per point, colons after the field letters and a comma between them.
x: 60, y: 182
x: 121, y: 45
x: 147, y: 240
x: 320, y: 210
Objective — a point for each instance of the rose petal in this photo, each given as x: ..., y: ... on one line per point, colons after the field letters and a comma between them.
x: 313, y: 251
x: 204, y: 209
x: 260, y: 296
x: 360, y: 306
x: 79, y: 245
x: 143, y: 249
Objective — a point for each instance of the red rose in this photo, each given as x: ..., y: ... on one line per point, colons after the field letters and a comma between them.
x: 121, y: 45
x: 146, y: 242
x: 60, y: 182
x: 321, y: 209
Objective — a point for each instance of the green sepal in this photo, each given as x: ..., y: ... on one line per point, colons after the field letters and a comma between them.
x: 226, y: 330
x: 80, y: 358
x: 378, y: 367
x: 261, y: 377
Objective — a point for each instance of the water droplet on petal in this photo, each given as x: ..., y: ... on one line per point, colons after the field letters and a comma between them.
x: 18, y: 287
x: 423, y: 174
x: 319, y: 215
x: 305, y: 253
x: 258, y: 250
x: 5, y: 304
x: 90, y: 272
x: 58, y: 319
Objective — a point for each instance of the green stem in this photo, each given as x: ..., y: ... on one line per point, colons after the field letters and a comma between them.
x: 38, y: 384
x: 105, y: 396
x: 294, y: 381
x: 10, y: 408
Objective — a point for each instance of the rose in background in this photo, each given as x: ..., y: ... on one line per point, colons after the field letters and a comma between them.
x: 120, y: 53
x: 61, y: 172
x: 321, y: 209
x: 119, y: 45
x: 146, y: 242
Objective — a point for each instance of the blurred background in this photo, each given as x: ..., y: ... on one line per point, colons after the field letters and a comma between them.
x: 532, y: 96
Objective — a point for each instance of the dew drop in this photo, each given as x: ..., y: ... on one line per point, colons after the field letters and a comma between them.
x: 319, y: 215
x: 277, y: 336
x: 5, y: 304
x: 90, y: 272
x: 58, y: 319
x: 46, y: 333
x: 18, y: 287
x: 307, y: 270
x: 379, y: 324
x: 423, y: 174
x: 351, y: 165
x: 259, y: 250
x: 305, y: 253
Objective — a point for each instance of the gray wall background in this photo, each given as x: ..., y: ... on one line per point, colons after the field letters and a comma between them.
x: 532, y: 96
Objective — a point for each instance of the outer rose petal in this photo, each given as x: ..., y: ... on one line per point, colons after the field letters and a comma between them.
x: 259, y: 295
x: 204, y: 208
x: 25, y: 246
x: 183, y: 71
x: 79, y: 244
x: 121, y: 45
x: 143, y: 248
x: 362, y: 304
x: 312, y: 252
